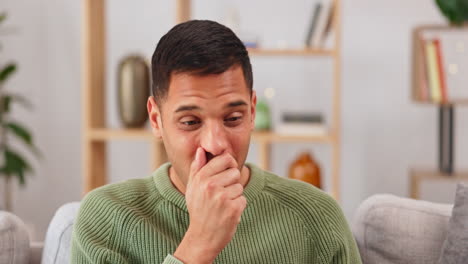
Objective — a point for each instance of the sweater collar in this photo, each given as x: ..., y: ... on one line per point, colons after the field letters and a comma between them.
x: 168, y: 190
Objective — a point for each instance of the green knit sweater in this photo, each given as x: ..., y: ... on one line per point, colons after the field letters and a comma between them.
x: 143, y: 221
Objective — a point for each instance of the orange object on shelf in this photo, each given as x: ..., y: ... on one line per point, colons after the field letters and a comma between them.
x: 306, y: 169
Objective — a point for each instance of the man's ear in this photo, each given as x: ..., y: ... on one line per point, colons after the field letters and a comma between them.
x: 154, y: 115
x: 253, y: 104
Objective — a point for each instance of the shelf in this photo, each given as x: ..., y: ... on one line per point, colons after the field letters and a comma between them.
x: 104, y: 134
x: 437, y: 175
x: 290, y: 52
x: 274, y: 137
x: 284, y: 52
x: 452, y: 102
x: 441, y: 27
x: 418, y: 175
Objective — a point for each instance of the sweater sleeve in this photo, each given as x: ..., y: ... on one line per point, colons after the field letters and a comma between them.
x: 342, y: 246
x: 172, y: 260
x: 92, y: 231
x: 346, y: 251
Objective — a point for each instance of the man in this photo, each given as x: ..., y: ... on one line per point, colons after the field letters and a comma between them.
x: 207, y: 205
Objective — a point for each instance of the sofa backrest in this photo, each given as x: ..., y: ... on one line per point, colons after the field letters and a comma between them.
x: 58, y: 238
x: 390, y: 229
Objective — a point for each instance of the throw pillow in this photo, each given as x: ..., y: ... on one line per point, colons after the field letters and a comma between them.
x: 455, y: 248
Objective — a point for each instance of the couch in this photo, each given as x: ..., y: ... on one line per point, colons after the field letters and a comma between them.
x: 387, y: 229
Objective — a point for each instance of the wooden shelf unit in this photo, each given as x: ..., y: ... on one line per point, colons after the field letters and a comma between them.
x: 418, y: 175
x: 290, y: 52
x: 121, y: 134
x: 96, y: 135
x: 417, y: 35
x: 144, y: 134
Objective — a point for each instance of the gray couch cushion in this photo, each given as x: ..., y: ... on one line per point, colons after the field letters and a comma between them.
x: 59, y: 233
x: 14, y: 240
x: 390, y: 229
x: 455, y: 249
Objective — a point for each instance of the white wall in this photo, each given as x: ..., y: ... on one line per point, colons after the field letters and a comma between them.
x: 47, y: 50
x: 383, y: 132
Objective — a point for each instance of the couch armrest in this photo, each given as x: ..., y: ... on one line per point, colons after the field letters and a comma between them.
x: 391, y: 229
x: 58, y: 238
x: 14, y: 239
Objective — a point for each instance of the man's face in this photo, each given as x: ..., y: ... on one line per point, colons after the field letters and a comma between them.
x: 215, y: 112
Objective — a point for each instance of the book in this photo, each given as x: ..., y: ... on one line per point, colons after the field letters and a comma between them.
x: 450, y: 44
x: 302, y: 117
x: 441, y: 71
x: 423, y: 77
x: 329, y: 26
x: 301, y: 129
x: 313, y: 24
x: 302, y: 123
x: 324, y: 16
x: 432, y: 71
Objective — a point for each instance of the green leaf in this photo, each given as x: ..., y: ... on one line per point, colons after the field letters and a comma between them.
x: 13, y: 160
x: 15, y: 165
x: 7, y: 71
x: 3, y: 16
x: 21, y: 179
x: 18, y: 98
x: 5, y: 103
x: 456, y: 11
x: 20, y: 131
x: 464, y: 9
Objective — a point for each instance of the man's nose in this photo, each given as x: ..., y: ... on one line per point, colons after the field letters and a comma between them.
x: 213, y: 139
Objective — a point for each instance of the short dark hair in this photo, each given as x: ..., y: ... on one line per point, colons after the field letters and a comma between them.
x: 199, y: 47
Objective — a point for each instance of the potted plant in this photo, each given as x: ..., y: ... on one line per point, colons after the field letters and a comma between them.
x: 456, y: 11
x: 12, y: 163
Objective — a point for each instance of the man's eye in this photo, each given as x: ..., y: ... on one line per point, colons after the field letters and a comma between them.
x: 191, y: 122
x: 233, y: 119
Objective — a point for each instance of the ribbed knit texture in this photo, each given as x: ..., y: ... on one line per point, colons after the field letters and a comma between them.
x: 143, y: 221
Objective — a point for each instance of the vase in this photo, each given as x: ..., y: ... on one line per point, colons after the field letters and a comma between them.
x: 133, y: 91
x: 262, y: 116
x: 306, y: 169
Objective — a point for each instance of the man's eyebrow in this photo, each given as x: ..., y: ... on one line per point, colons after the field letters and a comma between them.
x: 187, y: 108
x: 194, y: 107
x: 235, y: 103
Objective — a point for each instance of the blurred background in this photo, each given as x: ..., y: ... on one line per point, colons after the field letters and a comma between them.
x: 384, y: 131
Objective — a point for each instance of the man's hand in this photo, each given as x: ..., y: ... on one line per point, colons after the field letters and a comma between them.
x: 215, y: 204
